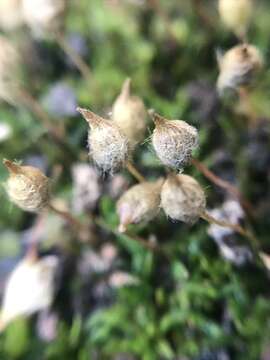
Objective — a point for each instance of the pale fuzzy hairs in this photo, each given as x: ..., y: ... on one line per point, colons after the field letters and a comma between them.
x: 140, y: 203
x: 108, y: 146
x: 182, y: 198
x: 173, y: 141
x: 27, y: 187
x: 238, y: 67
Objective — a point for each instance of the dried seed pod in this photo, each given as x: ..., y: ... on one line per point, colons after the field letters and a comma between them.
x: 27, y: 187
x: 9, y: 70
x: 173, y: 141
x: 130, y: 115
x: 238, y: 67
x: 11, y: 16
x: 140, y: 203
x: 182, y: 198
x: 108, y: 146
x: 29, y: 288
x: 44, y: 16
x: 236, y: 15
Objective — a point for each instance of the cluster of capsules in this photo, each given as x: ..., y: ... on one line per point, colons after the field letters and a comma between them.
x: 111, y: 142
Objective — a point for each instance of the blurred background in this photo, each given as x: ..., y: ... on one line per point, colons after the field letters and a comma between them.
x: 204, y: 297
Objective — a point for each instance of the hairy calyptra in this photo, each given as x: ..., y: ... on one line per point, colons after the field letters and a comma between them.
x: 173, y: 141
x: 27, y: 187
x: 108, y: 146
x: 129, y: 114
x: 238, y: 67
x: 140, y: 203
x: 182, y: 198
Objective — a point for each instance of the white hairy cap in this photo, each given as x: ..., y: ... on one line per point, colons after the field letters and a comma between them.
x: 29, y: 288
x: 129, y: 114
x: 140, y: 203
x: 236, y: 15
x: 27, y: 187
x: 182, y: 198
x: 238, y: 67
x: 11, y: 16
x: 44, y: 15
x: 173, y: 141
x: 108, y: 146
x: 9, y: 70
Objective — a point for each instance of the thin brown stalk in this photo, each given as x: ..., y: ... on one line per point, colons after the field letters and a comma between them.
x: 204, y: 18
x: 235, y: 227
x: 74, y: 56
x: 77, y: 225
x: 67, y: 216
x: 223, y: 184
x: 133, y: 171
x: 155, y: 5
x: 26, y: 99
x: 36, y: 231
x: 146, y: 244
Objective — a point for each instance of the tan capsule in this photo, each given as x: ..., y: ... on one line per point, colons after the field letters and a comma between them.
x: 140, y: 203
x: 238, y: 67
x: 44, y: 16
x: 173, y: 141
x: 30, y: 288
x: 182, y: 198
x: 27, y: 187
x: 11, y: 16
x: 9, y: 70
x: 129, y: 114
x: 236, y: 15
x: 108, y: 146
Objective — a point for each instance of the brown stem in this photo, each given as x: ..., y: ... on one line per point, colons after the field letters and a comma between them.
x: 202, y: 15
x: 74, y: 56
x: 223, y: 184
x: 67, y: 217
x: 148, y: 245
x: 27, y: 100
x: 235, y: 227
x: 98, y: 221
x: 155, y: 5
x: 133, y: 171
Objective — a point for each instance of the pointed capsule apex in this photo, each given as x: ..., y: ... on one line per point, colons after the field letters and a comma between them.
x: 125, y: 92
x: 157, y: 119
x: 129, y: 114
x: 11, y: 166
x: 108, y: 145
x: 90, y: 117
